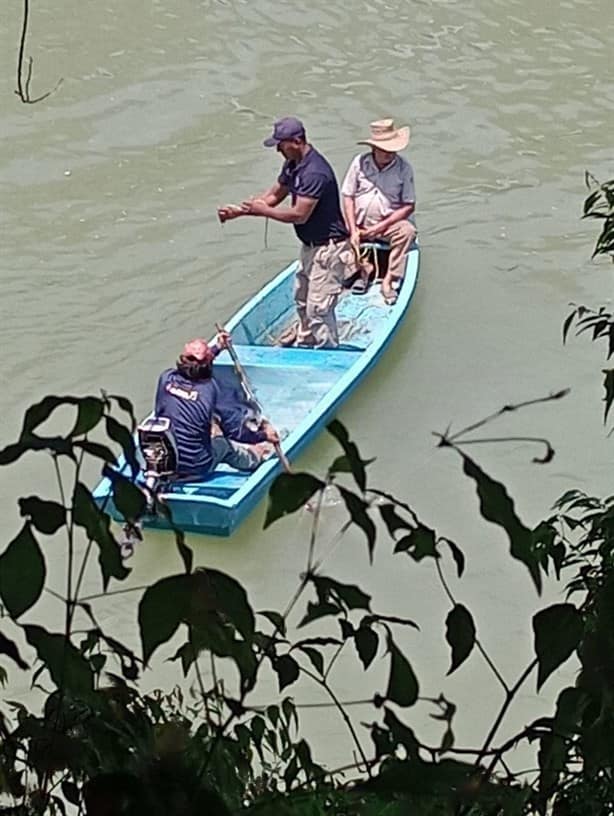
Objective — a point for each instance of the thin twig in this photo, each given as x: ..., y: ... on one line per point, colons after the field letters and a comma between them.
x: 506, y: 704
x: 346, y: 717
x: 113, y: 592
x: 479, y: 646
x: 23, y: 91
x: 506, y: 409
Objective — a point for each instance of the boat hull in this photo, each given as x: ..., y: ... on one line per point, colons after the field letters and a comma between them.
x: 299, y: 389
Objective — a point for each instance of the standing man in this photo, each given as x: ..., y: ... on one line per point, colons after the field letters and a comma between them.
x: 316, y: 215
x: 379, y: 198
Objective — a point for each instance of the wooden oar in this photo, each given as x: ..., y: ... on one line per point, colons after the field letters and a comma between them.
x: 251, y: 396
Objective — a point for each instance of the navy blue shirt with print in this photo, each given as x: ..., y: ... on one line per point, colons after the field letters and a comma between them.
x: 191, y: 405
x: 313, y: 177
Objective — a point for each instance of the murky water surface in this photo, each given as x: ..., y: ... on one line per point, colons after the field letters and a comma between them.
x: 112, y: 257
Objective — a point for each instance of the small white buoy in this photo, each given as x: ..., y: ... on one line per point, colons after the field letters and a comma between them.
x: 68, y: 172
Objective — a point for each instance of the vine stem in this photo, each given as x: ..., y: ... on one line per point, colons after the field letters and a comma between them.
x: 479, y: 646
x: 346, y: 717
x: 503, y: 711
x: 276, y: 628
x: 70, y: 608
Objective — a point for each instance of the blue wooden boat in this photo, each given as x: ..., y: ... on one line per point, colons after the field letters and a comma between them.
x: 299, y: 388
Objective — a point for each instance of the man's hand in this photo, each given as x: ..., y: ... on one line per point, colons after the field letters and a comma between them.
x: 270, y: 432
x: 254, y: 206
x: 228, y: 212
x: 223, y: 339
x: 355, y: 239
x: 369, y: 233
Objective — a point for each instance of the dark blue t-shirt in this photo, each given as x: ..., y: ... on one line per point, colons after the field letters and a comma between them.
x: 313, y: 177
x: 190, y: 405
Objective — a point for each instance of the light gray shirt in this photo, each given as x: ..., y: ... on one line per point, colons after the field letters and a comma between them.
x: 378, y: 193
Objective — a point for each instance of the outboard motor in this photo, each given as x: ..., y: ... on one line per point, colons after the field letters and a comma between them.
x: 159, y: 450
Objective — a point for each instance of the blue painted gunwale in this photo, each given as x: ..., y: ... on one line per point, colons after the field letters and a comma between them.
x: 218, y: 504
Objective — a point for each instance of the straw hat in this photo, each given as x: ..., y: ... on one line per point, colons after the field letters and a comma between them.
x: 385, y: 136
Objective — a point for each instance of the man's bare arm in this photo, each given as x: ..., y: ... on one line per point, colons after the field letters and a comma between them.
x: 298, y: 213
x: 274, y: 195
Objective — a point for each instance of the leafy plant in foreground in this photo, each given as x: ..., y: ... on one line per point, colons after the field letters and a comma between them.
x: 103, y: 745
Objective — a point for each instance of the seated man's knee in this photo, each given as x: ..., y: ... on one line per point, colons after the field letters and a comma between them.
x: 407, y: 230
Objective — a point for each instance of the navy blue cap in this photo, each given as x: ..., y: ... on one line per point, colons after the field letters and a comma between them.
x: 287, y: 128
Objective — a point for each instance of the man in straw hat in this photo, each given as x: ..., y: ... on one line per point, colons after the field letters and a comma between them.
x: 315, y: 212
x: 378, y: 198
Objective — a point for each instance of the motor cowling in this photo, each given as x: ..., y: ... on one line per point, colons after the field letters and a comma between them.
x: 159, y: 450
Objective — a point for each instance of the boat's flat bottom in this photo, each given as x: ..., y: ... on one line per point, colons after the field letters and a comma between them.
x: 289, y: 382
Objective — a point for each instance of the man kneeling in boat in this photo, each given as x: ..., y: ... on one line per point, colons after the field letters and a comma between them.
x: 205, y: 427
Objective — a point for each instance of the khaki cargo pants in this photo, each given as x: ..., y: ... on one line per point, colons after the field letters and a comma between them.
x: 318, y: 284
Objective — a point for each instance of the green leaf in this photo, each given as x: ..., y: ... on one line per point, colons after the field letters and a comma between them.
x: 496, y: 506
x: 355, y: 463
x: 420, y: 543
x: 215, y: 590
x: 369, y: 619
x: 347, y: 630
x: 608, y: 384
x: 317, y: 661
x: 120, y: 434
x: 97, y: 450
x: 125, y: 404
x: 366, y: 641
x: 340, y: 465
x: 287, y: 671
x: 402, y: 734
x: 567, y: 324
x: 12, y: 453
x: 66, y: 665
x: 9, y: 648
x: 402, y: 682
x: 258, y: 727
x: 71, y: 792
x: 276, y: 619
x: 162, y: 608
x: 349, y: 595
x: 358, y: 510
x: 55, y: 444
x: 393, y: 520
x: 97, y: 524
x: 289, y: 711
x: 272, y: 713
x: 552, y: 758
x: 460, y: 634
x: 457, y: 555
x: 46, y: 516
x: 289, y: 492
x: 129, y: 499
x: 89, y: 414
x: 22, y: 573
x: 319, y: 610
x: 40, y: 411
x: 558, y: 630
